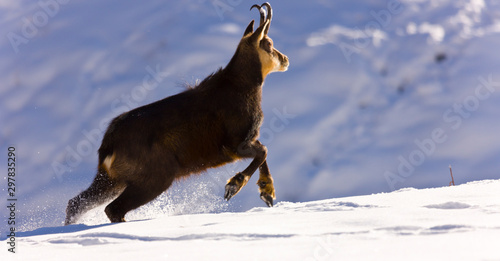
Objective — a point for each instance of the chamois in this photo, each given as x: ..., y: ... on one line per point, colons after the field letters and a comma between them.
x: 217, y: 122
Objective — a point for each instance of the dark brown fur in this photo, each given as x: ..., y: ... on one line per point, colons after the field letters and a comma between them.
x: 144, y: 150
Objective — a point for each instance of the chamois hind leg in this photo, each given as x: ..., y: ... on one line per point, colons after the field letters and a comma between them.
x: 259, y: 153
x: 133, y: 197
x: 101, y: 190
x: 265, y: 183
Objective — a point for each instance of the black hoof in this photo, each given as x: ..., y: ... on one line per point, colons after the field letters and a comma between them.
x: 231, y: 190
x: 267, y: 198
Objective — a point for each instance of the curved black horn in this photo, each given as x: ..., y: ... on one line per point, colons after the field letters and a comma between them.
x: 269, y: 15
x: 262, y: 13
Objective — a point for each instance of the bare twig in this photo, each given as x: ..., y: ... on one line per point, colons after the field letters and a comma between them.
x: 452, y: 180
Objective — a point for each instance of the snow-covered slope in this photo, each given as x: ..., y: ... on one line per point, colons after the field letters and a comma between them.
x: 379, y: 96
x: 448, y: 223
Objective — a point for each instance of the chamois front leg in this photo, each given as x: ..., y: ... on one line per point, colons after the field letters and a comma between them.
x: 265, y: 183
x: 256, y: 150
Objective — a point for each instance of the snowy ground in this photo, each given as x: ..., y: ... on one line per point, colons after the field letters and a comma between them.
x: 447, y: 223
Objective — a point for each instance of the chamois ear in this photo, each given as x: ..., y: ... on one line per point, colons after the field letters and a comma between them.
x: 260, y: 32
x: 249, y: 29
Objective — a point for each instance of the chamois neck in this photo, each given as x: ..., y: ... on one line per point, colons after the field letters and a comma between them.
x: 244, y: 71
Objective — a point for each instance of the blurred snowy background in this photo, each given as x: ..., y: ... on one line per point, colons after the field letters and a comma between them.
x: 379, y: 95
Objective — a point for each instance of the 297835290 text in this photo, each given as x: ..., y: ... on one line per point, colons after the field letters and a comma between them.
x: 11, y: 199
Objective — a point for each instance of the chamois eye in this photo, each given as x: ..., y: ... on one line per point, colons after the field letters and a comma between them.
x: 266, y: 45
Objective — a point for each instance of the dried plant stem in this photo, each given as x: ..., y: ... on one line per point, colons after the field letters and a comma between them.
x: 452, y: 180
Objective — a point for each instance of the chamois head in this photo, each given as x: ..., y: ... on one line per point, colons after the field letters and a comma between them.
x: 259, y: 44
